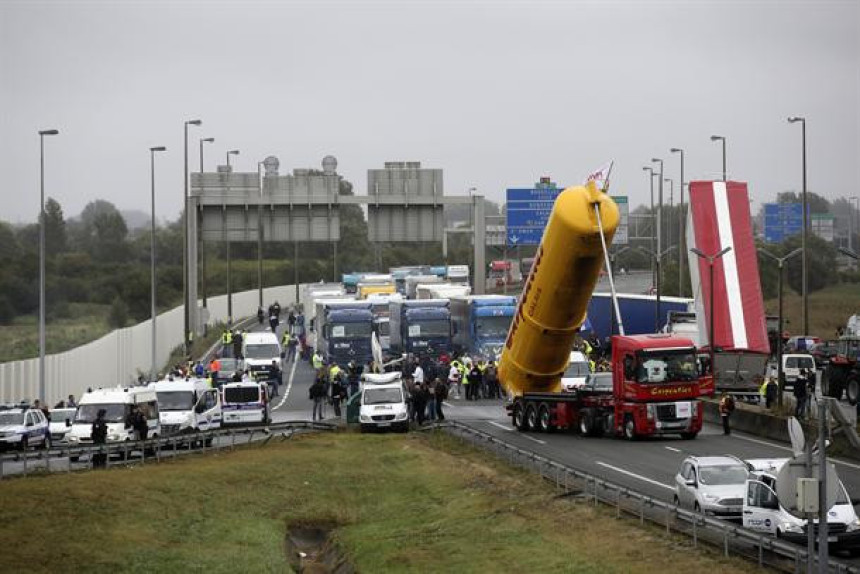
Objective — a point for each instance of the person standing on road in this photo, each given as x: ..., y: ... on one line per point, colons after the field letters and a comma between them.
x: 317, y: 361
x: 441, y: 390
x: 431, y: 401
x: 727, y: 407
x: 476, y: 380
x: 801, y: 394
x: 273, y: 323
x: 276, y: 377
x: 418, y: 374
x: 419, y: 402
x: 99, y: 435
x: 71, y: 403
x: 771, y: 390
x: 454, y: 378
x: 236, y: 339
x: 292, y: 346
x: 337, y: 395
x: 317, y: 395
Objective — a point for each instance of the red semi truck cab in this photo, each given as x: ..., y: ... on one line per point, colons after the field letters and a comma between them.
x: 656, y: 386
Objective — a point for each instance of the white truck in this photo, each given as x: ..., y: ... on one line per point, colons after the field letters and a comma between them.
x: 117, y: 403
x: 187, y: 406
x: 442, y: 291
x: 383, y: 402
x: 413, y: 281
x: 458, y: 274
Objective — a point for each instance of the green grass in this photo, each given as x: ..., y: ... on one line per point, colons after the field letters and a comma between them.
x: 85, y: 322
x: 829, y: 308
x: 399, y: 503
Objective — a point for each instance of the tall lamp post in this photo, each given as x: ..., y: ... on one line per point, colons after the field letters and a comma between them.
x: 671, y: 183
x: 260, y: 236
x: 681, y: 219
x: 230, y: 262
x: 711, y: 259
x: 656, y: 257
x: 612, y: 258
x: 650, y: 171
x: 186, y: 335
x: 723, y: 140
x: 231, y: 152
x: 472, y: 191
x: 780, y: 262
x: 804, y: 234
x: 201, y: 250
x: 42, y: 215
x: 153, y: 312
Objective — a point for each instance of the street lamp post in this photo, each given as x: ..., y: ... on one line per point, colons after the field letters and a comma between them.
x: 472, y: 191
x: 612, y: 258
x: 201, y: 250
x: 230, y: 262
x: 723, y: 140
x: 650, y: 171
x: 780, y: 261
x: 804, y: 234
x: 229, y: 153
x: 711, y: 259
x: 260, y: 236
x: 659, y: 249
x: 671, y: 183
x: 656, y: 257
x: 186, y: 335
x: 42, y: 215
x: 153, y: 311
x: 681, y: 238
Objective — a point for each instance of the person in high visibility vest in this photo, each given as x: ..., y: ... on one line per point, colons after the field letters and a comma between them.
x: 317, y: 361
x: 226, y: 337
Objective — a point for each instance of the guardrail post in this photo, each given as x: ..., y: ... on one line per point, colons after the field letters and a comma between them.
x: 695, y: 534
x: 158, y: 450
x: 48, y: 460
x: 642, y: 510
x: 125, y: 450
x: 143, y: 452
x: 726, y: 543
x: 233, y: 439
x: 2, y: 476
x: 760, y: 550
x: 25, y: 463
x: 668, y: 517
x: 618, y: 504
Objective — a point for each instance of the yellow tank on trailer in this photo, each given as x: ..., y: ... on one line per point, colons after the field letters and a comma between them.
x: 555, y: 298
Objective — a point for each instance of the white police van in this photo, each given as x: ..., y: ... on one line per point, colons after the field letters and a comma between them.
x: 117, y: 403
x: 244, y: 403
x: 187, y: 406
x: 383, y: 402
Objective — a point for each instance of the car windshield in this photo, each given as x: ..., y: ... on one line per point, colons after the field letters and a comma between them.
x: 722, y: 474
x: 382, y: 396
x: 242, y: 394
x: 432, y: 328
x: 175, y: 401
x: 578, y: 369
x: 267, y: 351
x: 495, y: 327
x: 666, y: 366
x: 799, y: 363
x: 7, y: 419
x: 600, y: 381
x: 60, y: 415
x: 114, y: 413
x: 351, y: 330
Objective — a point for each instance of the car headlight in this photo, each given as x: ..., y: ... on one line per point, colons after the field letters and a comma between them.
x: 853, y: 525
x: 711, y: 497
x: 400, y: 417
x: 73, y: 439
x: 791, y: 527
x: 364, y: 418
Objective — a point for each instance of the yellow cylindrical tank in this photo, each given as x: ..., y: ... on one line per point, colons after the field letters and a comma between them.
x: 555, y: 297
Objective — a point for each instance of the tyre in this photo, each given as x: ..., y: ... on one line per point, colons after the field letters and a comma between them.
x: 586, y: 422
x: 853, y: 390
x: 675, y: 500
x: 688, y: 435
x: 697, y: 508
x: 519, y: 417
x: 531, y: 417
x: 46, y: 444
x: 629, y: 428
x: 74, y: 458
x: 545, y: 418
x: 24, y: 443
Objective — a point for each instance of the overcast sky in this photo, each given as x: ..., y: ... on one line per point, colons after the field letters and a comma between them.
x: 496, y: 94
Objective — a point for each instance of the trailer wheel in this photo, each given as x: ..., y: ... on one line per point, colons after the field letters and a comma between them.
x: 545, y: 418
x: 519, y: 417
x: 629, y: 428
x: 852, y: 389
x: 532, y: 418
x: 586, y: 422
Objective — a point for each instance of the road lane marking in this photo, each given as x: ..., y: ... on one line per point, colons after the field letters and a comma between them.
x: 634, y: 475
x: 501, y: 426
x: 781, y: 447
x: 673, y: 449
x: 531, y: 438
x: 447, y: 404
x: 289, y: 385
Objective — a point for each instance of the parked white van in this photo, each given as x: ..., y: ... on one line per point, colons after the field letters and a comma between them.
x: 245, y: 403
x: 187, y: 406
x: 117, y: 403
x: 383, y: 402
x: 763, y: 512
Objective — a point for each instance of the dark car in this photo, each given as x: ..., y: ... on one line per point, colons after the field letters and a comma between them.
x: 822, y: 352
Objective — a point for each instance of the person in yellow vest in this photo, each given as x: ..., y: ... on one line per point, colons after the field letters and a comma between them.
x: 226, y: 337
x: 317, y: 361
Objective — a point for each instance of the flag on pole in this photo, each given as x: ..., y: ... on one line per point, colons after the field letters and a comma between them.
x: 600, y: 177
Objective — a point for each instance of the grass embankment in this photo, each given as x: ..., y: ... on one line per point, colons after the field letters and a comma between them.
x: 421, y: 503
x: 829, y: 308
x: 84, y: 322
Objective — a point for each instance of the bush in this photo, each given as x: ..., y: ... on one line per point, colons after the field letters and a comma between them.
x: 118, y: 314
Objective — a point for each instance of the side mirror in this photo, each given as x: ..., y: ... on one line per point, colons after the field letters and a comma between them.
x: 691, y: 482
x: 68, y: 422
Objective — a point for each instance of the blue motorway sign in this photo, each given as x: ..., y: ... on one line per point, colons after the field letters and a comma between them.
x: 527, y: 213
x: 782, y: 220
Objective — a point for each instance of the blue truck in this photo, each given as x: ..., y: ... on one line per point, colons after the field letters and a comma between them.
x: 637, y: 311
x: 420, y: 327
x: 480, y: 323
x: 343, y: 331
x: 350, y: 280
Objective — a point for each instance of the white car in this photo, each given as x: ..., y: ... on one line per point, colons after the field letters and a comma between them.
x: 712, y: 485
x: 383, y: 402
x: 23, y: 427
x: 763, y: 511
x: 577, y: 370
x: 61, y: 423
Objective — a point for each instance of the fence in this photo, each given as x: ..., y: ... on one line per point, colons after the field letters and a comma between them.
x: 118, y: 357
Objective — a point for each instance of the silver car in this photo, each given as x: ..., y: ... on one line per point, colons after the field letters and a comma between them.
x: 712, y: 485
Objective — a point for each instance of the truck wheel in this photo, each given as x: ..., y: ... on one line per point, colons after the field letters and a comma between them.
x: 853, y: 390
x: 532, y: 418
x: 586, y: 422
x: 688, y: 435
x: 519, y: 417
x: 629, y: 428
x: 545, y: 418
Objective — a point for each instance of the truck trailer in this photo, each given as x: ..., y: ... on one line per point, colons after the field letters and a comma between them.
x: 480, y: 323
x: 420, y: 327
x: 655, y: 382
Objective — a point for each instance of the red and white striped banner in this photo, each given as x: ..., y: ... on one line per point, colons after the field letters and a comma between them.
x: 719, y: 217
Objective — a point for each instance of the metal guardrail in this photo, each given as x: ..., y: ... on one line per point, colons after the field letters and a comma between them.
x: 156, y: 448
x: 761, y: 548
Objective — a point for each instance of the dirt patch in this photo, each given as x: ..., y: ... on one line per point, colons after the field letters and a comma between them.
x: 311, y: 549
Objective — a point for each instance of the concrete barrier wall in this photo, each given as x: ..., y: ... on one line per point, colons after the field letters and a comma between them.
x: 120, y: 356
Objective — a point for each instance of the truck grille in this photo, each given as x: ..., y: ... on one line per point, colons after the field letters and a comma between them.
x: 168, y: 430
x: 667, y: 413
x: 832, y: 528
x: 731, y: 501
x: 382, y: 417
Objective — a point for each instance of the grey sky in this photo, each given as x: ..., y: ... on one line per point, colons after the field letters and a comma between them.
x: 495, y: 93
